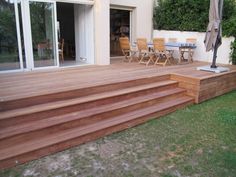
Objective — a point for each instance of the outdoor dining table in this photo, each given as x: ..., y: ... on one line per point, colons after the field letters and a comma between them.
x: 183, y: 47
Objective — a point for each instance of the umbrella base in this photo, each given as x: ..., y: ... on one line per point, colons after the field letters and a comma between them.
x: 214, y: 70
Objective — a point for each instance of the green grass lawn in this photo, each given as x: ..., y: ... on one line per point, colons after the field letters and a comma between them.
x: 197, y: 141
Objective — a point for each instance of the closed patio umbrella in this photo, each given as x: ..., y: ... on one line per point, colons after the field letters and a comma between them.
x: 213, y: 35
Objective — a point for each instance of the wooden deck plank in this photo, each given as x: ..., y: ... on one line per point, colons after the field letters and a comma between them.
x: 49, y: 110
x: 77, y: 132
x: 17, y: 84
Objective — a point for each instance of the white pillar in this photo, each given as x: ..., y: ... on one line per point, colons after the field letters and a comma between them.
x: 102, y: 32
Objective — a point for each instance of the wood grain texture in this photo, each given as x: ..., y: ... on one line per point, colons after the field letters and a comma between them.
x: 43, y: 112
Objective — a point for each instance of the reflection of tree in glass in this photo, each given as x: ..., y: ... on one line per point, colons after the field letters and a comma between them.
x: 8, y: 40
x: 41, y: 25
x: 38, y: 18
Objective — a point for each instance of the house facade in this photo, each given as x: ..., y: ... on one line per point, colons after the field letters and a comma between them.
x: 43, y: 34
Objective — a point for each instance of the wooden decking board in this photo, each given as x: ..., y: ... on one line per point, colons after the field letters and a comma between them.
x: 80, y: 100
x: 62, y: 88
x: 76, y: 132
x: 84, y: 114
x: 85, y: 77
x: 80, y: 140
x: 49, y: 111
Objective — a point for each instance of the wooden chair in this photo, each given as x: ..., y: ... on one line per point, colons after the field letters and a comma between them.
x: 163, y: 56
x: 61, y: 50
x: 190, y: 51
x: 172, y: 40
x: 127, y: 51
x: 191, y: 40
x: 145, y: 55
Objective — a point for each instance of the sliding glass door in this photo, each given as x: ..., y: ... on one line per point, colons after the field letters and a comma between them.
x: 10, y: 36
x: 29, y: 38
x: 43, y: 30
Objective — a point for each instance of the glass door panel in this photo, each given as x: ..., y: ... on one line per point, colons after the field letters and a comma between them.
x: 42, y: 16
x: 9, y: 50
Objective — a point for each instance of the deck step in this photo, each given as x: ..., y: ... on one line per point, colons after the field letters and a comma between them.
x: 70, y: 134
x: 53, y: 94
x: 81, y: 100
x: 90, y: 115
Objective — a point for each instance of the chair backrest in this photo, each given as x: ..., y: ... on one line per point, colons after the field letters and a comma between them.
x: 142, y: 44
x: 159, y: 44
x: 191, y: 40
x: 124, y: 43
x: 61, y: 44
x: 172, y: 40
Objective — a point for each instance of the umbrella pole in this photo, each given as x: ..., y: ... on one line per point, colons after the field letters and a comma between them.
x: 213, y: 65
x: 218, y: 39
x: 217, y: 44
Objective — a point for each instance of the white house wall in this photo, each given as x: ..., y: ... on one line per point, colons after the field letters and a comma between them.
x: 102, y: 32
x: 142, y: 25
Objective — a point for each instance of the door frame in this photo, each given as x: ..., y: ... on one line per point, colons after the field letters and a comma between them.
x: 18, y: 36
x: 132, y: 31
x: 28, y: 36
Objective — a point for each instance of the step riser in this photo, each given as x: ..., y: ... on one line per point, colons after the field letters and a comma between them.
x: 15, y: 104
x: 60, y: 111
x: 9, y: 141
x: 86, y: 138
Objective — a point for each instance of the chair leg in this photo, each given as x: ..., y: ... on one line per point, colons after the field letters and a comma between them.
x: 149, y: 60
x: 152, y: 59
x: 158, y: 58
x: 167, y: 61
x: 62, y: 56
x: 142, y: 58
x: 124, y: 59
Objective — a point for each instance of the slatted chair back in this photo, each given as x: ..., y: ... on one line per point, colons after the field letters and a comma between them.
x: 142, y: 44
x: 61, y: 49
x: 191, y: 40
x: 124, y: 43
x: 172, y: 40
x: 159, y: 44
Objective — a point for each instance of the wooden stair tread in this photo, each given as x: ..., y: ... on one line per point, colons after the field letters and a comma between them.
x: 69, y: 102
x: 62, y: 136
x: 72, y: 87
x: 56, y: 120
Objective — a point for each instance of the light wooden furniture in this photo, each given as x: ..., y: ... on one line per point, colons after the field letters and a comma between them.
x: 191, y: 40
x: 163, y: 56
x: 61, y: 50
x: 146, y: 56
x: 172, y: 40
x: 127, y: 51
x: 190, y: 51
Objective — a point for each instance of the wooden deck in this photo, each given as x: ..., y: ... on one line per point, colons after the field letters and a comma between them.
x: 27, y: 84
x: 43, y: 112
